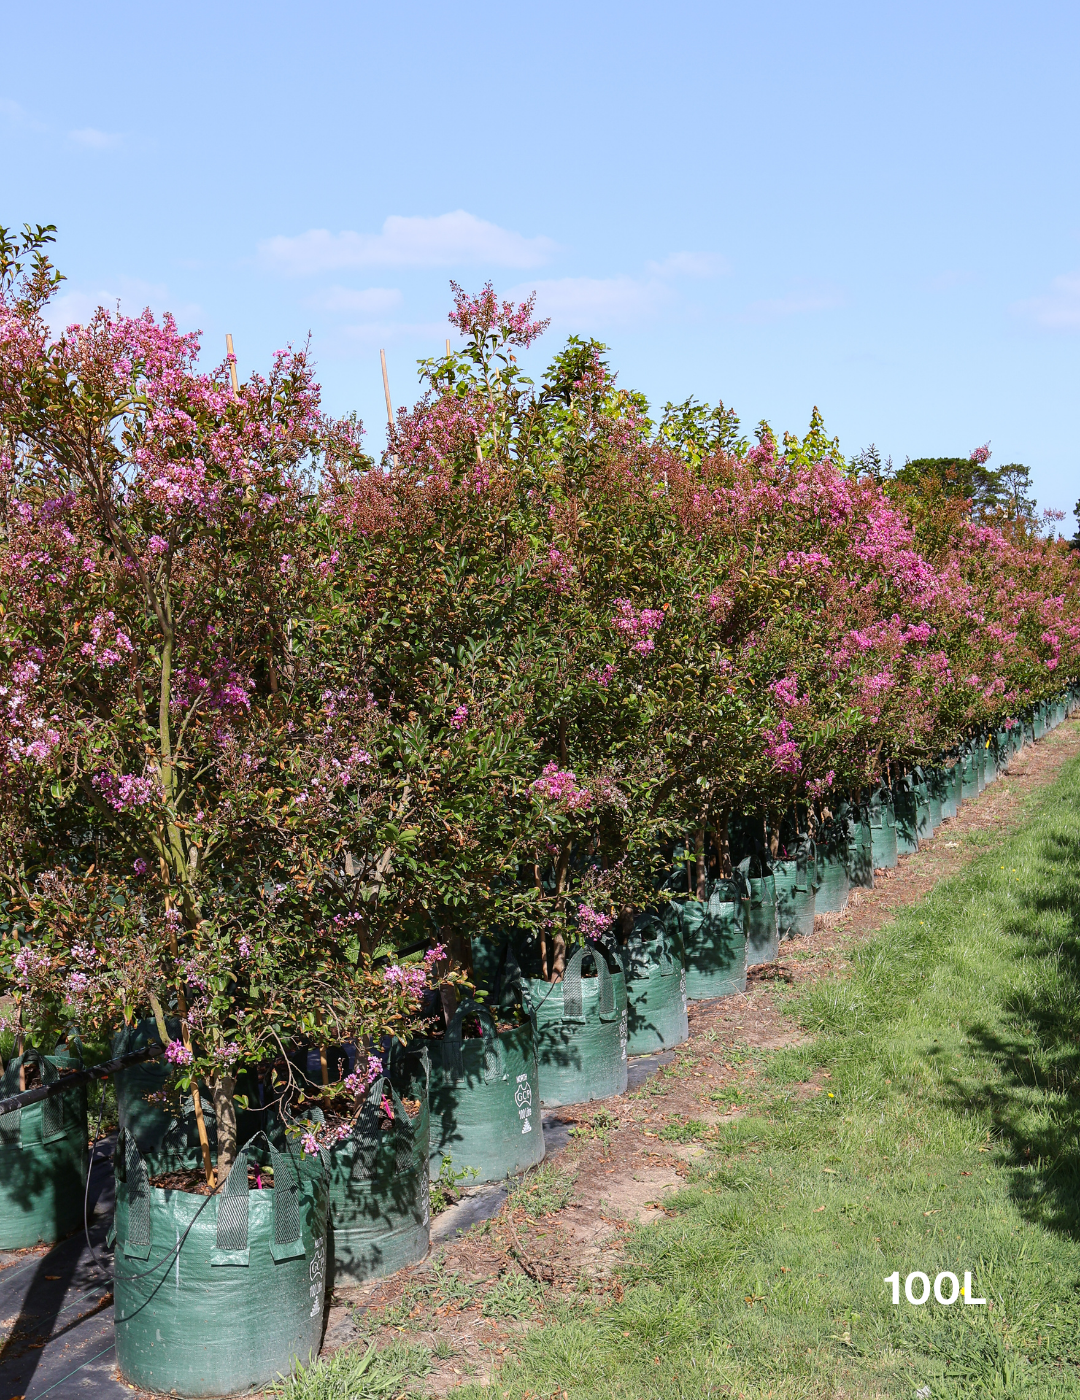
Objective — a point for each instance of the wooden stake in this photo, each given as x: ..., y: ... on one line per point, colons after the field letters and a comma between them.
x: 386, y: 390
x: 196, y: 1098
x: 232, y: 366
x: 447, y: 349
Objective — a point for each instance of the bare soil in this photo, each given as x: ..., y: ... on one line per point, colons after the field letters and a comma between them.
x: 627, y: 1153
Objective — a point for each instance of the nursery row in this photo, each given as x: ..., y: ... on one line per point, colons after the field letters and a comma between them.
x: 297, y: 746
x: 359, y: 1207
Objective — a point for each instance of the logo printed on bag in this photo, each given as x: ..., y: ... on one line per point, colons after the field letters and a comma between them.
x: 318, y: 1259
x: 523, y: 1099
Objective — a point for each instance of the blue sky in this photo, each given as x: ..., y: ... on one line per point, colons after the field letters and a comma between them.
x: 870, y: 207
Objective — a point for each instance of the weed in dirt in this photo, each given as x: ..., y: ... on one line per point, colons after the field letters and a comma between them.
x: 358, y: 1374
x: 600, y: 1126
x: 543, y: 1190
x: 513, y: 1295
x: 444, y: 1189
x: 689, y: 1130
x: 946, y: 1137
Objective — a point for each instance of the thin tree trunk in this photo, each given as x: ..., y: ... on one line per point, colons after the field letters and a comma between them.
x: 223, y: 1087
x: 701, y: 870
x: 723, y: 847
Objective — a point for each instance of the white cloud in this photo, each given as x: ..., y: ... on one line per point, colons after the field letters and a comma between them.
x: 590, y: 303
x: 691, y: 265
x: 17, y: 114
x: 799, y: 303
x: 380, y: 333
x: 368, y: 301
x: 133, y: 295
x: 445, y: 240
x: 1059, y: 309
x: 93, y: 140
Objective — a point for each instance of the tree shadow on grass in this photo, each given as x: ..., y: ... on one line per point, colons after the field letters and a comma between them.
x: 1035, y: 1104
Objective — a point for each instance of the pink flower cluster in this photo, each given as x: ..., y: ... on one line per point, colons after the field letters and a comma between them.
x: 177, y: 1053
x: 641, y: 626
x: 460, y: 718
x: 107, y: 644
x: 126, y: 791
x: 560, y: 786
x: 592, y: 923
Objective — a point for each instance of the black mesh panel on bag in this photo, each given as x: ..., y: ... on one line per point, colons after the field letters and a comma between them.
x: 232, y: 1216
x: 286, y: 1199
x: 138, y: 1194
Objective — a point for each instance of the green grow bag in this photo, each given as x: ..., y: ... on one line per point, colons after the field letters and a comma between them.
x: 984, y: 763
x: 485, y: 1097
x: 883, y: 829
x: 218, y: 1295
x: 970, y: 780
x: 652, y: 962
x: 924, y: 822
x: 906, y: 809
x: 795, y: 897
x: 42, y: 1157
x: 935, y: 795
x: 759, y: 917
x: 714, y: 941
x: 1039, y: 722
x: 380, y: 1212
x: 831, y: 896
x: 581, y: 1030
x: 860, y: 851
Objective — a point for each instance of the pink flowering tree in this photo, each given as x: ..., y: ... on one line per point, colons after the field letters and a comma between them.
x: 192, y: 816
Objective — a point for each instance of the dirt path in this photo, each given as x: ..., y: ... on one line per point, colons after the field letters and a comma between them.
x: 563, y: 1226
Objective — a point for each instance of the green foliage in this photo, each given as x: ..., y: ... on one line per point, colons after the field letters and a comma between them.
x: 355, y: 1374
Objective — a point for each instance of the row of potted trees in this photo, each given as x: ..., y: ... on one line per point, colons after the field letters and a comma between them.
x: 300, y: 753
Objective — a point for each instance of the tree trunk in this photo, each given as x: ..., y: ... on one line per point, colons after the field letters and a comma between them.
x: 723, y: 847
x: 460, y: 950
x: 701, y: 870
x: 223, y: 1088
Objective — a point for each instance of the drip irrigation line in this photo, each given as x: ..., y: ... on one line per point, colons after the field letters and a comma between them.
x: 79, y: 1076
x: 75, y: 1372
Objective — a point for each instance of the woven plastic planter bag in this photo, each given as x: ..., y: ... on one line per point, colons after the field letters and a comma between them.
x: 652, y: 960
x: 831, y: 895
x: 860, y: 851
x: 714, y: 941
x: 793, y: 877
x: 969, y: 765
x: 882, y: 817
x: 924, y: 820
x: 377, y: 1179
x: 906, y: 811
x: 581, y: 1032
x: 218, y: 1295
x: 485, y: 1096
x: 759, y: 913
x: 935, y: 794
x: 42, y: 1157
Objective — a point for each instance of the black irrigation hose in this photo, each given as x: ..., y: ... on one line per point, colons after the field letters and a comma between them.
x: 78, y: 1076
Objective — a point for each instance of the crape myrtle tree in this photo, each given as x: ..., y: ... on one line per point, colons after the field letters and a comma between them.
x: 192, y: 813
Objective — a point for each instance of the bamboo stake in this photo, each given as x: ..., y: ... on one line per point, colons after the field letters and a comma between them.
x: 196, y: 1098
x: 323, y: 1064
x: 231, y: 353
x: 386, y: 390
x: 448, y: 349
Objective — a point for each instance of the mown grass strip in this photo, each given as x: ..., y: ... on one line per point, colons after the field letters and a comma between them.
x: 946, y: 1138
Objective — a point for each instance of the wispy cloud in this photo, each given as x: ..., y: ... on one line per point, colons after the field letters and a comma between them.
x: 15, y: 113
x: 798, y: 303
x: 368, y: 301
x: 593, y: 303
x: 371, y: 334
x: 91, y: 139
x: 132, y: 295
x: 1056, y: 310
x: 445, y: 240
x: 691, y: 265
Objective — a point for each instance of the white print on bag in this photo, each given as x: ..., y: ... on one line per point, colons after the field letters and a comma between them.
x: 315, y: 1272
x: 622, y: 1034
x: 523, y: 1099
x: 682, y: 991
x: 922, y: 1281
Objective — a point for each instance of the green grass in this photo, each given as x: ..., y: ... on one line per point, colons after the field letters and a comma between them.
x: 946, y: 1138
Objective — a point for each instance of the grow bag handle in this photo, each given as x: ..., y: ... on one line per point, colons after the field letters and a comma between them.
x: 452, y: 1042
x: 367, y: 1134
x: 510, y: 969
x: 232, y: 1220
x: 573, y: 1008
